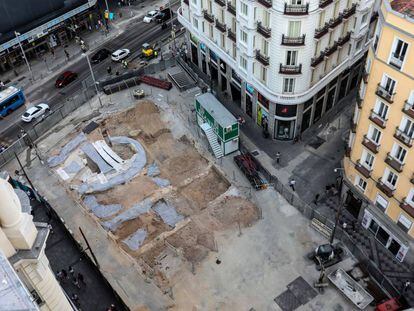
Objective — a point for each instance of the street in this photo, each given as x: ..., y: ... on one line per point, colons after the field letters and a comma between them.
x: 132, y: 38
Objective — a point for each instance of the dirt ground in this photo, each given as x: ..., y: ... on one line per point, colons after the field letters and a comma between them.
x: 196, y: 192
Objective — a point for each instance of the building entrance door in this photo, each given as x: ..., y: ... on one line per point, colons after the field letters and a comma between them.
x: 353, y: 204
x: 284, y: 130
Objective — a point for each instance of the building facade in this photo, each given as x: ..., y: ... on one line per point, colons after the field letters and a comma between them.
x: 23, y: 242
x: 286, y: 63
x: 44, y: 33
x: 379, y: 183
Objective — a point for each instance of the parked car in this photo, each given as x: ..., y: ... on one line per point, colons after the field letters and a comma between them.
x: 100, y: 56
x: 164, y: 16
x: 120, y: 54
x: 150, y: 16
x: 35, y: 112
x: 66, y: 78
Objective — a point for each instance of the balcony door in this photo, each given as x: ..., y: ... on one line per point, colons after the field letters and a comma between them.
x: 294, y: 29
x: 291, y: 58
x: 408, y: 127
x: 381, y: 110
x: 388, y: 84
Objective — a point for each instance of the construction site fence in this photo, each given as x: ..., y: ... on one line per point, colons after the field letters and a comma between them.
x: 309, y: 212
x: 44, y: 125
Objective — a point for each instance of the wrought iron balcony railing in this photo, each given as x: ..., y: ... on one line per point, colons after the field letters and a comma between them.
x: 208, y: 16
x: 293, y: 41
x: 264, y: 31
x: 262, y: 58
x: 266, y: 3
x: 296, y: 9
x: 320, y: 32
x: 384, y: 93
x: 231, y: 8
x: 290, y: 69
x: 403, y: 137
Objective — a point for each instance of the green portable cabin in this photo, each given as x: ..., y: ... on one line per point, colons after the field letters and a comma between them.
x: 219, y: 125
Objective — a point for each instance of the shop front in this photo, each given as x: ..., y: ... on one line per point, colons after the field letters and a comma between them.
x: 383, y: 235
x: 249, y: 100
x: 285, y: 122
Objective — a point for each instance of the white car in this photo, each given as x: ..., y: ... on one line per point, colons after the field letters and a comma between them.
x: 35, y: 112
x: 150, y: 16
x: 120, y: 54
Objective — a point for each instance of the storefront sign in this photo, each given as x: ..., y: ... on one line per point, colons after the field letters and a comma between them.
x: 286, y: 111
x: 262, y: 116
x: 203, y: 46
x: 194, y: 39
x: 249, y: 89
x: 263, y: 100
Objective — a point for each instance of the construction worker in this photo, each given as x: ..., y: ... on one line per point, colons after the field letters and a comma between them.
x: 155, y: 54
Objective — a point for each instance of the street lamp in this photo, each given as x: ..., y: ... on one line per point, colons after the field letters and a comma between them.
x: 93, y: 78
x: 17, y: 34
x: 107, y: 20
x: 338, y: 213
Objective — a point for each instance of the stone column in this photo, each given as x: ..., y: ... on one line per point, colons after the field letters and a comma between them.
x: 243, y: 96
x: 299, y: 118
x: 272, y: 113
x: 254, y: 106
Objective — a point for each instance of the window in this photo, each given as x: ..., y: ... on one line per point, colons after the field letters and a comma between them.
x: 297, y: 2
x: 374, y: 134
x: 390, y: 178
x: 243, y: 62
x: 291, y: 58
x: 322, y: 19
x: 265, y: 48
x: 407, y: 127
x: 388, y: 84
x: 404, y: 223
x: 195, y: 22
x: 211, y: 31
x: 411, y: 98
x: 243, y: 36
x: 398, y: 52
x: 399, y: 153
x: 358, y: 45
x: 364, y: 19
x: 266, y: 19
x: 288, y: 85
x: 368, y: 159
x: 361, y: 183
x: 294, y: 29
x: 410, y: 197
x: 243, y: 9
x: 234, y: 50
x: 263, y: 75
x: 381, y: 109
x: 381, y: 202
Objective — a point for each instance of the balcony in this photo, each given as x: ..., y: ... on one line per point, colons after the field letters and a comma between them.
x: 320, y: 32
x: 365, y: 75
x: 315, y: 61
x: 324, y: 3
x: 266, y: 3
x: 333, y: 22
x: 221, y: 3
x: 370, y: 145
x: 296, y: 9
x: 377, y: 119
x: 231, y: 8
x: 221, y: 26
x: 407, y: 207
x: 231, y: 35
x: 389, y: 192
x: 208, y: 16
x: 363, y: 170
x: 293, y: 41
x: 264, y: 31
x: 408, y: 109
x: 264, y: 60
x: 396, y: 61
x: 384, y: 93
x: 403, y: 137
x: 359, y: 100
x: 290, y: 69
x: 394, y: 163
x: 331, y: 49
x: 347, y: 13
x: 344, y: 39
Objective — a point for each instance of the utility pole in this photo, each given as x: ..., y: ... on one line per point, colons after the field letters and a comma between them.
x: 339, y: 211
x: 17, y: 34
x: 27, y: 177
x: 93, y: 78
x: 107, y: 20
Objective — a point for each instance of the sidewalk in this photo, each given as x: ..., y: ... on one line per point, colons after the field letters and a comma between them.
x: 311, y: 163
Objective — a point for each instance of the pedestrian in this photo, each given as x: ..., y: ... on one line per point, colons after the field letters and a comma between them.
x: 59, y: 275
x: 49, y: 226
x: 64, y: 274
x: 66, y: 53
x: 109, y: 70
x: 113, y: 308
x: 76, y: 283
x: 344, y: 225
x: 52, y: 51
x: 315, y: 201
x: 81, y: 279
x: 407, y: 285
x: 75, y: 299
x: 71, y: 271
x: 278, y: 157
x: 292, y: 183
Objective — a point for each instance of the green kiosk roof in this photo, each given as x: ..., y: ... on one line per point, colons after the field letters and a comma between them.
x: 216, y: 109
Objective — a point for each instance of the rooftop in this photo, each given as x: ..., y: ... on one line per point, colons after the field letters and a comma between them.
x: 405, y: 7
x: 216, y: 109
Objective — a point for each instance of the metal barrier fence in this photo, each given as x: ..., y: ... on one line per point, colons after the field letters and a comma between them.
x: 46, y: 124
x: 310, y: 213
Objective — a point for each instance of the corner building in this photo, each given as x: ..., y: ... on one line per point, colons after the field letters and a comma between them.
x: 286, y: 63
x: 379, y: 168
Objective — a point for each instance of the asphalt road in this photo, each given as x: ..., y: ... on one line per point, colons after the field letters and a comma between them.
x: 136, y: 34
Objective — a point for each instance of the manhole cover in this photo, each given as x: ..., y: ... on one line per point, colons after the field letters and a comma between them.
x: 255, y: 153
x: 302, y: 290
x: 287, y: 301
